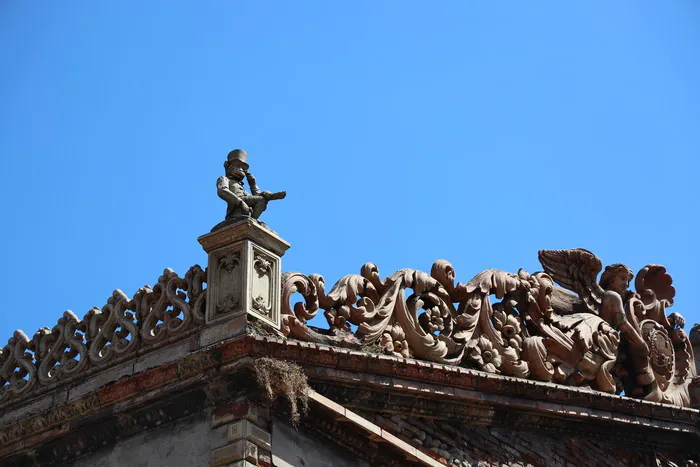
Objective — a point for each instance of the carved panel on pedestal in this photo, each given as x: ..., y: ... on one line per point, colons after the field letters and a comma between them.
x: 264, y: 285
x: 229, y: 274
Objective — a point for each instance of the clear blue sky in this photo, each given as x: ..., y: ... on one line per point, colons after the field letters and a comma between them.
x: 403, y: 132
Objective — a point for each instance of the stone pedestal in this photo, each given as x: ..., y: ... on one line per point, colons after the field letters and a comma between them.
x: 244, y: 272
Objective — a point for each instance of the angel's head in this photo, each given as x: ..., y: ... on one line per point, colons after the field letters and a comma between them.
x: 616, y: 277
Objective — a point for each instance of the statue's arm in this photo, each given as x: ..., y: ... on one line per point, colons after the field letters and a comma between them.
x: 229, y: 196
x: 254, y: 189
x: 224, y: 192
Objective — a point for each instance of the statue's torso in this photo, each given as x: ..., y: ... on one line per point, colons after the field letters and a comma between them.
x: 235, y: 187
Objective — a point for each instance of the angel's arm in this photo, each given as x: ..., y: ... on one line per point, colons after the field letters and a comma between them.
x: 613, y: 311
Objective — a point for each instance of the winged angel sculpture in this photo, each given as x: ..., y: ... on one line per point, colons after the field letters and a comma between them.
x: 655, y: 356
x: 601, y: 336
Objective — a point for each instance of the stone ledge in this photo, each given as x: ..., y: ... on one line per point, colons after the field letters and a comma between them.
x: 437, y: 393
x: 247, y: 229
x: 26, y: 425
x: 411, y: 369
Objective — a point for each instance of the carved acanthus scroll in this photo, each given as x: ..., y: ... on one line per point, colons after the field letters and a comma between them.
x: 515, y: 324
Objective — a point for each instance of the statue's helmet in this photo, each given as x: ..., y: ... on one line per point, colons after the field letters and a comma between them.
x: 240, y: 155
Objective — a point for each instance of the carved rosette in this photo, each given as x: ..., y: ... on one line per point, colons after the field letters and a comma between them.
x: 660, y: 350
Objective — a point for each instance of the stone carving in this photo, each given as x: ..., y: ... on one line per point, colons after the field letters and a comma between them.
x: 165, y: 311
x: 60, y: 347
x: 17, y: 368
x: 37, y: 423
x: 523, y: 325
x: 261, y: 307
x: 240, y: 203
x: 262, y: 285
x: 121, y: 329
x: 227, y: 297
x: 656, y: 360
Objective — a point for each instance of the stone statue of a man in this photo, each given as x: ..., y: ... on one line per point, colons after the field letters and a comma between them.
x: 241, y: 204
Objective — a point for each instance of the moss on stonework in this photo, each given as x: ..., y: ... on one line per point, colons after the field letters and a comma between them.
x: 261, y: 328
x: 279, y: 377
x: 374, y: 348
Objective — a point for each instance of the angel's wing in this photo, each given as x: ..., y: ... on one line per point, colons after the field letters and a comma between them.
x: 654, y: 277
x: 575, y: 270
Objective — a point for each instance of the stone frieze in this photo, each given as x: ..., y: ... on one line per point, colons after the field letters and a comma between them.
x: 588, y: 333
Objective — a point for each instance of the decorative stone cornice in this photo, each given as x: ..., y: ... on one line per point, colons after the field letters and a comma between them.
x: 369, y: 382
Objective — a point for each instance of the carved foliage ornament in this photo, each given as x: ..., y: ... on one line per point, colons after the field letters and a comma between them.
x: 262, y: 285
x: 172, y: 308
x: 604, y: 337
x: 228, y: 296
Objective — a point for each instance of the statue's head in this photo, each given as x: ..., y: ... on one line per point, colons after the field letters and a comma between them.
x: 616, y: 277
x: 236, y: 164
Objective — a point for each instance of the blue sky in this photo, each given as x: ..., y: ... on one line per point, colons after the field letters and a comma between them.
x: 403, y: 132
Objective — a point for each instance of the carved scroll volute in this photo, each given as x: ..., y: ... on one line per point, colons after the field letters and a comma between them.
x: 163, y: 311
x: 111, y: 331
x: 370, y: 272
x: 293, y: 321
x: 17, y: 368
x: 443, y: 272
x: 62, y: 351
x: 196, y: 278
x: 466, y: 317
x: 430, y: 298
x: 420, y: 325
x: 497, y: 344
x: 352, y: 299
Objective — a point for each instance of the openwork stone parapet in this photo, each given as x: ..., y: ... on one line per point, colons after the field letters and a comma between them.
x: 123, y: 329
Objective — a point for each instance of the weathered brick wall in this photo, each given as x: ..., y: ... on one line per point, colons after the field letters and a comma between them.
x: 470, y: 445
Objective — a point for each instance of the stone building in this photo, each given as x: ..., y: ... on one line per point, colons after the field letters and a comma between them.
x: 219, y: 368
